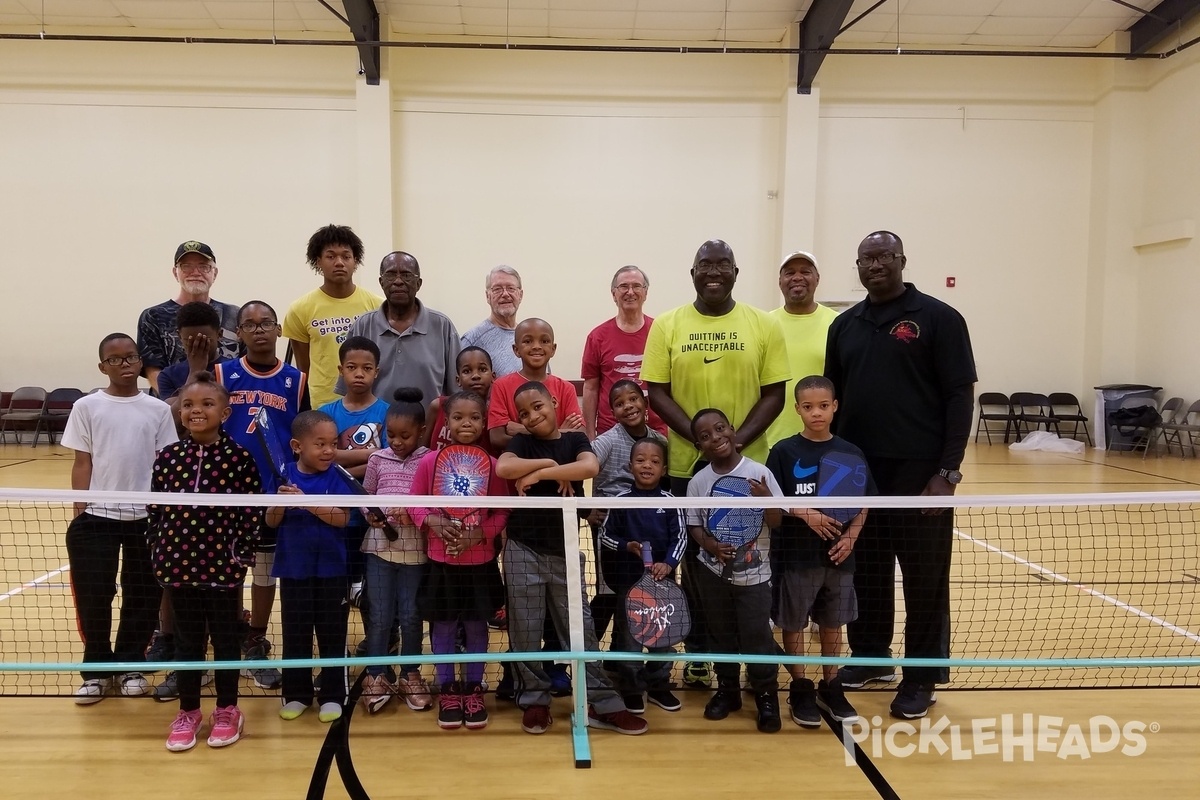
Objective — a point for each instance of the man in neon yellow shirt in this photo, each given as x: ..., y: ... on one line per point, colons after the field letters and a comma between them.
x: 317, y: 323
x: 805, y: 324
x: 713, y: 353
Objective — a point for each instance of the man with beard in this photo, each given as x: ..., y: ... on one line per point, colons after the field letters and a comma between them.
x: 503, y: 292
x: 805, y: 324
x: 158, y: 341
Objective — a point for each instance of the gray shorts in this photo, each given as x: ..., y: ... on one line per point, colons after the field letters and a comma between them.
x: 824, y: 594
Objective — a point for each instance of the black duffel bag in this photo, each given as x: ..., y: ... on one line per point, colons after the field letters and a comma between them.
x: 1129, y: 420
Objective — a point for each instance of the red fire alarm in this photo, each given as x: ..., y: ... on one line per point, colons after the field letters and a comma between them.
x: 949, y: 283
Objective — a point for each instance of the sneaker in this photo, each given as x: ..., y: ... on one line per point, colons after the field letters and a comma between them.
x: 664, y: 699
x: 329, y: 712
x: 620, y: 721
x: 183, y: 731
x: 92, y: 691
x: 376, y: 693
x: 697, y: 675
x: 256, y: 648
x: 635, y: 703
x: 913, y: 700
x: 292, y: 709
x: 168, y: 689
x: 226, y: 726
x: 768, y: 712
x: 161, y: 649
x: 415, y: 691
x: 450, y: 706
x: 803, y: 700
x: 722, y: 703
x: 536, y: 719
x: 134, y: 684
x: 475, y: 715
x: 858, y: 677
x: 560, y: 681
x: 831, y: 698
x: 499, y: 622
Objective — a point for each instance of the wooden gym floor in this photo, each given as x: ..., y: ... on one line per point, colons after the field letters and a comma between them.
x: 1031, y: 585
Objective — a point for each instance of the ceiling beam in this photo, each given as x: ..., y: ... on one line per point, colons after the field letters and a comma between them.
x: 364, y: 24
x: 818, y: 29
x: 1159, y: 22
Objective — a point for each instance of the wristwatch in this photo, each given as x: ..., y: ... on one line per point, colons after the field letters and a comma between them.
x: 951, y: 475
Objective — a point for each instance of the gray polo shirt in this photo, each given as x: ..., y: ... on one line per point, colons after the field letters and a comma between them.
x: 423, y: 356
x: 499, y: 344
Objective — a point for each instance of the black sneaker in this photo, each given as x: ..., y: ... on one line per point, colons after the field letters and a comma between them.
x: 634, y: 703
x: 913, y: 700
x: 450, y: 706
x: 768, y: 712
x: 831, y: 698
x: 722, y: 703
x: 664, y: 699
x: 505, y: 690
x: 803, y: 700
x: 161, y: 649
x: 475, y: 715
x: 858, y: 677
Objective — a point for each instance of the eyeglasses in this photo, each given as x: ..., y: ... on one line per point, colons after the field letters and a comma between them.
x: 204, y: 269
x: 630, y: 287
x: 499, y: 291
x: 720, y: 268
x: 116, y: 361
x: 252, y: 327
x: 392, y: 275
x: 883, y: 259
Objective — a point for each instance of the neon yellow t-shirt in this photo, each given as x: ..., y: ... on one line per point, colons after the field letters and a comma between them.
x: 323, y: 322
x: 714, y: 362
x: 805, y: 335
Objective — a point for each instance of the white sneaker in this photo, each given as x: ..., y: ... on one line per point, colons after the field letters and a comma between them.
x: 92, y: 691
x: 134, y: 684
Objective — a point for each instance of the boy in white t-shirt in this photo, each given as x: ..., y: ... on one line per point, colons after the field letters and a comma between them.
x: 115, y: 433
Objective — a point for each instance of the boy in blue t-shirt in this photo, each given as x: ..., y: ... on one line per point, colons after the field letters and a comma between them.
x: 814, y: 551
x: 261, y: 380
x: 310, y: 563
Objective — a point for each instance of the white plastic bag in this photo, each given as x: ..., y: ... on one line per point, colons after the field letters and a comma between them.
x: 1047, y: 441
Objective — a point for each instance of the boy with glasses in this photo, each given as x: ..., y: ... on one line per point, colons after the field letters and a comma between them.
x: 116, y: 434
x: 158, y: 341
x: 261, y: 380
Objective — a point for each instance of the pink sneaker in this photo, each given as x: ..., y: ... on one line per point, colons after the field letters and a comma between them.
x: 184, y: 730
x: 226, y: 726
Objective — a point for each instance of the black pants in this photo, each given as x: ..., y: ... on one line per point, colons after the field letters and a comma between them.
x: 311, y: 606
x: 922, y: 544
x: 94, y: 550
x: 219, y: 612
x: 739, y: 622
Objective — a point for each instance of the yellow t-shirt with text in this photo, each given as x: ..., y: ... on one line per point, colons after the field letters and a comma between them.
x: 715, y: 362
x: 323, y: 322
x: 805, y: 335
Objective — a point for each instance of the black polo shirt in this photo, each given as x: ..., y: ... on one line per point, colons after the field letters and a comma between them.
x: 899, y: 367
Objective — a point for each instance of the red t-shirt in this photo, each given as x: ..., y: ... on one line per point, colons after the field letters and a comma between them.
x: 502, y: 410
x: 611, y: 354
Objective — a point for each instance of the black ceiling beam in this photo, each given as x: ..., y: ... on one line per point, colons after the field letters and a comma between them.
x: 818, y: 29
x: 364, y: 24
x: 1159, y: 22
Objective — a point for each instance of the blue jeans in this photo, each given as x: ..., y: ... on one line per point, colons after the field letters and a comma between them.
x: 392, y: 593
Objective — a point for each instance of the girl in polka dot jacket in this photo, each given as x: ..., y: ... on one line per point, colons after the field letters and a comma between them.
x: 200, y: 554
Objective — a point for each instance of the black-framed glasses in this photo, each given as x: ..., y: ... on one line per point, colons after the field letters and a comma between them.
x: 720, y: 267
x: 253, y: 327
x: 116, y: 361
x: 883, y: 259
